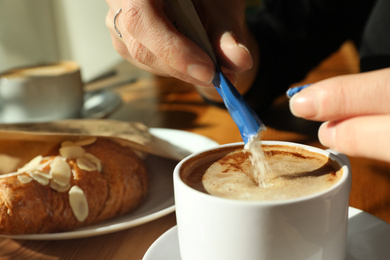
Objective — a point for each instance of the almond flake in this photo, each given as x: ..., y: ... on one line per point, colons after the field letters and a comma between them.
x: 95, y: 160
x: 24, y: 178
x: 86, y: 141
x: 85, y: 164
x: 60, y: 171
x: 38, y: 178
x: 67, y: 143
x: 59, y: 188
x: 78, y: 203
x: 44, y: 164
x: 41, y: 173
x: 32, y: 165
x: 72, y: 152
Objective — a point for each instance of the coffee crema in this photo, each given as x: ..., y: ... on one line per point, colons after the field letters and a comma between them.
x: 44, y: 70
x: 293, y: 172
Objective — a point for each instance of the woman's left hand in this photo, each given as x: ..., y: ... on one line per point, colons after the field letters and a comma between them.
x: 356, y: 111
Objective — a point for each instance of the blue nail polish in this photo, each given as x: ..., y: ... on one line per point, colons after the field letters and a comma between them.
x: 292, y: 91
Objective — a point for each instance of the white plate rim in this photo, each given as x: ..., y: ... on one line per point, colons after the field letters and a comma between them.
x: 100, y: 228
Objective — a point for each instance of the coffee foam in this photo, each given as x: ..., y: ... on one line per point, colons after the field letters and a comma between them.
x: 53, y: 69
x: 294, y: 172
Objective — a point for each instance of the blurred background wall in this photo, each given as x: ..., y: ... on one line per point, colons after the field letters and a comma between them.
x: 35, y: 32
x: 40, y: 31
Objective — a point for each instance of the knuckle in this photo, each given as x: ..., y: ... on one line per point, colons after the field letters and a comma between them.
x: 138, y: 52
x: 133, y: 18
x: 168, y: 51
x: 167, y: 54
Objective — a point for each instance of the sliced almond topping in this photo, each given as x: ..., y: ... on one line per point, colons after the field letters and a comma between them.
x: 72, y: 152
x: 95, y: 160
x: 41, y: 174
x: 32, y: 165
x: 78, y: 203
x: 24, y: 178
x: 67, y: 143
x: 86, y: 164
x: 60, y: 171
x: 44, y: 164
x: 38, y: 178
x: 59, y: 188
x: 86, y: 141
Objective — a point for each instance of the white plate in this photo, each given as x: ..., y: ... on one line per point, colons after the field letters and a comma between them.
x: 368, y: 239
x: 178, y: 138
x: 159, y: 202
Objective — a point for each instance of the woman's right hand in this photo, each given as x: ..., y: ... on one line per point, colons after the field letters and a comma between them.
x: 151, y: 42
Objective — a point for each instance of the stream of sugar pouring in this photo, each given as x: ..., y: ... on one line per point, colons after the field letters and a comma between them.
x: 259, y: 169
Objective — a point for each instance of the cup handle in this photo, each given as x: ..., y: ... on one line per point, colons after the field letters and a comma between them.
x: 341, y: 156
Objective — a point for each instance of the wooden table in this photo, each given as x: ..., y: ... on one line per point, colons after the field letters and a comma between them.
x: 168, y: 103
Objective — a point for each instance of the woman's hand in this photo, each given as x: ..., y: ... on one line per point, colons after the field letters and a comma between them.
x: 356, y: 111
x: 151, y: 42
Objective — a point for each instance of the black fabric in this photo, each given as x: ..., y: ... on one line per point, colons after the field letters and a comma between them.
x: 296, y: 35
x: 375, y: 47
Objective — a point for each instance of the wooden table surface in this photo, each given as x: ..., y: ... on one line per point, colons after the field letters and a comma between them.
x: 168, y: 103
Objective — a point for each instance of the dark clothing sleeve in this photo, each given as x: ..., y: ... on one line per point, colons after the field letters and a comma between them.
x: 296, y: 35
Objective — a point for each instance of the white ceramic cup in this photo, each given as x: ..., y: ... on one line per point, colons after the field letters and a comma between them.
x: 308, y: 228
x: 42, y: 93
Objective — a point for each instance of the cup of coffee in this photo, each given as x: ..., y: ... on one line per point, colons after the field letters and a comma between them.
x: 41, y: 93
x: 302, y: 212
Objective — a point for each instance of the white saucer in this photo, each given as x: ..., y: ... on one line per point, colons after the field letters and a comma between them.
x: 368, y: 239
x: 97, y: 104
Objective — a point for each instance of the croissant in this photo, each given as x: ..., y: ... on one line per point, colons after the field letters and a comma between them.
x: 77, y: 184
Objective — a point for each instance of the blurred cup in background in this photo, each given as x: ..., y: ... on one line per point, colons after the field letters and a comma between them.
x: 42, y: 93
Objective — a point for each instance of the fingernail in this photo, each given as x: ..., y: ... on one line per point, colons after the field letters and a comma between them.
x: 292, y: 91
x: 304, y: 104
x: 239, y: 57
x: 200, y: 72
x: 244, y: 48
x: 326, y: 134
x: 250, y: 61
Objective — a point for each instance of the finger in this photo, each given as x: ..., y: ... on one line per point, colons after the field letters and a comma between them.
x: 151, y: 63
x: 366, y: 136
x: 155, y: 65
x: 111, y: 22
x: 344, y: 96
x: 114, y: 5
x: 122, y: 49
x: 112, y: 17
x: 234, y: 55
x: 228, y: 33
x: 146, y: 22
